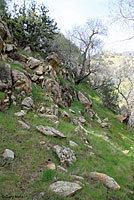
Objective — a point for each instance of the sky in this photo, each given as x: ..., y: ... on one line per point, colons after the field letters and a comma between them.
x: 68, y: 13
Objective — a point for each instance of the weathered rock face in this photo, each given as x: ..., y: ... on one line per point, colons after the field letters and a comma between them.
x: 21, y: 82
x: 5, y: 37
x: 106, y: 180
x: 54, y: 61
x: 5, y: 86
x: 66, y: 155
x: 5, y: 76
x: 65, y: 188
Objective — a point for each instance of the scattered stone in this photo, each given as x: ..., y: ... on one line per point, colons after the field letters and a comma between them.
x: 71, y: 111
x: 51, y: 166
x: 42, y: 142
x: 104, y: 125
x: 34, y: 78
x: 27, y: 103
x: 50, y: 131
x: 39, y: 73
x: 106, y: 138
x: 84, y: 100
x: 106, y: 180
x: 28, y: 50
x: 65, y: 116
x: 62, y: 169
x: 91, y: 153
x: 77, y: 177
x: 66, y: 155
x: 24, y: 124
x: 57, y: 124
x: 65, y: 188
x: 82, y: 120
x: 75, y: 121
x: 125, y: 152
x: 80, y: 130
x: 98, y: 118
x: 91, y: 112
x: 21, y: 113
x: 86, y: 141
x: 9, y: 47
x: 13, y: 98
x: 41, y: 78
x: 33, y: 62
x: 73, y: 144
x: 106, y: 120
x: 50, y: 117
x: 8, y: 154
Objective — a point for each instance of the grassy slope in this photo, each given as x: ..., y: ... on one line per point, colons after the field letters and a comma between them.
x: 22, y: 178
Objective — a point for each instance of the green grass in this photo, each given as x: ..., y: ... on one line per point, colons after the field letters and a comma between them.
x: 48, y: 175
x: 2, y: 96
x: 23, y: 52
x: 27, y: 175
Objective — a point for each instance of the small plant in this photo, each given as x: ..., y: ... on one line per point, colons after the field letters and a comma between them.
x: 48, y: 175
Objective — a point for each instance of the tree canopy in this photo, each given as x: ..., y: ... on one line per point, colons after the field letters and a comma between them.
x: 31, y: 25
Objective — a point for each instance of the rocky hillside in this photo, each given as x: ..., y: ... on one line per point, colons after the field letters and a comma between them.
x: 57, y: 141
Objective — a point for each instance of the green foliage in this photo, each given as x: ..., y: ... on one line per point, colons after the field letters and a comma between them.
x: 2, y: 96
x: 23, y: 52
x: 32, y: 26
x: 48, y: 175
x: 17, y: 65
x: 3, y: 8
x: 109, y: 95
x: 67, y: 51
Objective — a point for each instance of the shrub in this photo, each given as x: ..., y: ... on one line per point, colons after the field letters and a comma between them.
x: 109, y: 95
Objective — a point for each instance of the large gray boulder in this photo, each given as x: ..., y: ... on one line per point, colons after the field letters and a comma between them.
x: 65, y: 188
x: 5, y: 76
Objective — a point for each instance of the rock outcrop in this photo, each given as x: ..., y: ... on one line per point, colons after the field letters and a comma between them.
x: 21, y: 82
x: 5, y: 76
x: 6, y: 44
